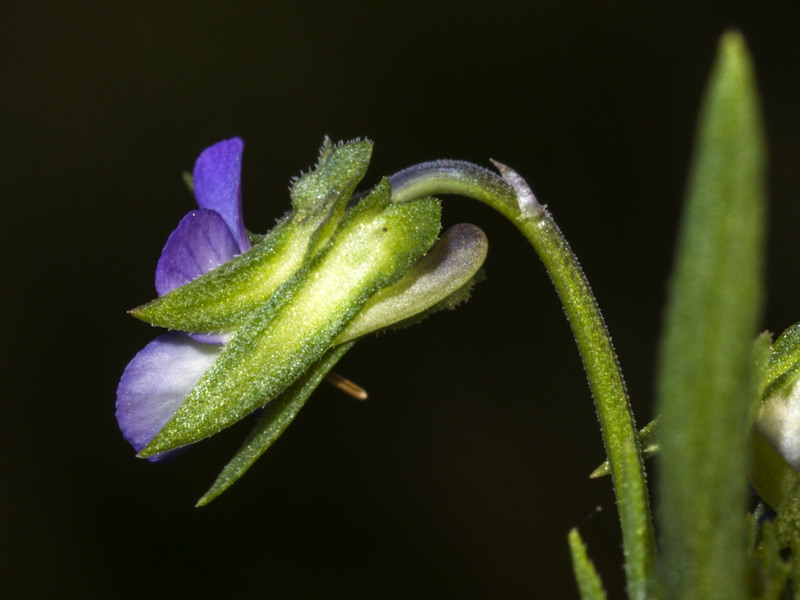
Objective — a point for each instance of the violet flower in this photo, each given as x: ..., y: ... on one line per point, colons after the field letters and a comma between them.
x: 254, y: 323
x: 159, y: 378
x: 214, y: 233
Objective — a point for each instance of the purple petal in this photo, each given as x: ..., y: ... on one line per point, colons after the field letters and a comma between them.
x: 155, y: 384
x: 201, y: 242
x: 217, y: 185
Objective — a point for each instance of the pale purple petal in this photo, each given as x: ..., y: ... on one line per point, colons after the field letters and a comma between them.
x: 217, y: 185
x: 155, y: 384
x: 202, y: 241
x: 219, y: 337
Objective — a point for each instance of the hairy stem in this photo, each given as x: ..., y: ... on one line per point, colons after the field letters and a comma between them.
x: 511, y: 197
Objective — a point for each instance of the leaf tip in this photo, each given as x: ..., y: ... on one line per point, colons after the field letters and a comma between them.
x: 732, y: 42
x: 733, y: 57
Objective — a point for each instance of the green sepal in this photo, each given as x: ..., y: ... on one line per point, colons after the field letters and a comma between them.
x: 225, y: 297
x: 320, y: 197
x: 375, y: 246
x: 340, y: 167
x: 277, y: 416
x: 763, y: 356
x: 784, y: 361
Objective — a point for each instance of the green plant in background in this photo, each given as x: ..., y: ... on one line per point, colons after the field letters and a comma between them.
x: 259, y: 321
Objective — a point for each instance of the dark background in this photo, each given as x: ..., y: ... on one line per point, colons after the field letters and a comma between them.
x: 463, y: 473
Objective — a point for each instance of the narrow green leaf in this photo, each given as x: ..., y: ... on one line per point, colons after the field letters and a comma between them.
x: 277, y: 416
x: 589, y: 584
x: 704, y: 385
x: 375, y: 247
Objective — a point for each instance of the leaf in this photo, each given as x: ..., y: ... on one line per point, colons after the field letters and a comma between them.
x: 589, y: 584
x: 704, y: 384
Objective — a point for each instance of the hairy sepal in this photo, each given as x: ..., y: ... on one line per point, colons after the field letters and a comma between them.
x: 375, y: 246
x: 227, y: 296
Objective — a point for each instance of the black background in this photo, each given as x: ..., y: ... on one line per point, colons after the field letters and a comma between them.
x: 463, y: 473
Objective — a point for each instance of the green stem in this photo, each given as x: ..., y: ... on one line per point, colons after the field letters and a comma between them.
x: 511, y: 197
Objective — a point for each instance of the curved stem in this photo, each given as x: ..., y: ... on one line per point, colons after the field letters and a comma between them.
x: 511, y: 197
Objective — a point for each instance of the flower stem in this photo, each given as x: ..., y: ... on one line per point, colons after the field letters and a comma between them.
x: 511, y: 197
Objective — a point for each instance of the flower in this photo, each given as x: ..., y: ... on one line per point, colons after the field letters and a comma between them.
x: 777, y: 418
x: 214, y: 233
x: 775, y: 443
x: 159, y: 378
x: 256, y: 319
